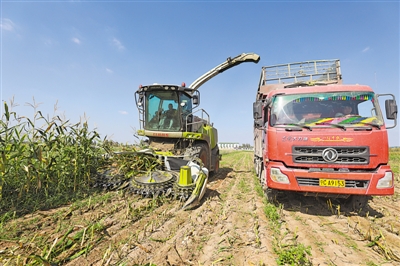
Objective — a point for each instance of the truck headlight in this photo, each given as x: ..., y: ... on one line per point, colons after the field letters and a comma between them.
x: 386, y: 181
x: 278, y: 176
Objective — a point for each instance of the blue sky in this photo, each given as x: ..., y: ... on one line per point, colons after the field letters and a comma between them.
x: 89, y: 57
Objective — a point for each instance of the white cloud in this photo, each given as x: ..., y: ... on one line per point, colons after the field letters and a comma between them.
x: 118, y: 44
x: 7, y: 24
x: 109, y: 71
x: 366, y: 49
x: 76, y: 40
x: 123, y: 112
x: 48, y: 42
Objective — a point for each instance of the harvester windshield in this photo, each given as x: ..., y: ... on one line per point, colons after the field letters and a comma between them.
x: 166, y: 110
x: 323, y: 109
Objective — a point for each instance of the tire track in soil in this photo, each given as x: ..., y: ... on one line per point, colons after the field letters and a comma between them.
x: 124, y: 231
x: 222, y: 231
x: 228, y: 228
x: 342, y: 239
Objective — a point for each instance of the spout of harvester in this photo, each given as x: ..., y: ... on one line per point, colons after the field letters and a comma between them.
x: 198, y: 192
x: 229, y: 63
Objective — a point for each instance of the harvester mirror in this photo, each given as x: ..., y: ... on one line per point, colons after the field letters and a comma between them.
x: 257, y: 110
x: 391, y: 109
x: 196, y: 100
x: 140, y: 101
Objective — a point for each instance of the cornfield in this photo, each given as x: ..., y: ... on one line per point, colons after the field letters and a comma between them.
x: 45, y: 162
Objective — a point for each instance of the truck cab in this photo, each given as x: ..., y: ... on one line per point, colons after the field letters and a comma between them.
x: 317, y: 136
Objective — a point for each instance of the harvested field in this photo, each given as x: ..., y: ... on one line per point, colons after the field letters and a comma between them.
x: 234, y: 225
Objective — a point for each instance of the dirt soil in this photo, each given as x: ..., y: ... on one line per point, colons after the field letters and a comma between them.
x: 230, y: 227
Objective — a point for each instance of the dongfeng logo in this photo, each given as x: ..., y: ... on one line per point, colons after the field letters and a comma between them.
x: 330, y: 155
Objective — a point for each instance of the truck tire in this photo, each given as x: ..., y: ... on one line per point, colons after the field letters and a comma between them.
x: 357, y: 202
x: 258, y: 165
x: 262, y: 179
x: 270, y: 194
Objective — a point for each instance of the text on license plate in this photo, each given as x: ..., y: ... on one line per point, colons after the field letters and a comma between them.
x: 332, y: 183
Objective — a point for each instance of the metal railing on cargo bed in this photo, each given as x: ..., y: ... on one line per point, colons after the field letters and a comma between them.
x: 321, y: 71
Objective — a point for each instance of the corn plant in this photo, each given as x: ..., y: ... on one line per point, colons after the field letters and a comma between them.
x: 394, y: 158
x: 45, y: 160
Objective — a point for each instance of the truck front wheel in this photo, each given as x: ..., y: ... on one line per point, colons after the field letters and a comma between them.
x: 357, y: 202
x: 270, y: 194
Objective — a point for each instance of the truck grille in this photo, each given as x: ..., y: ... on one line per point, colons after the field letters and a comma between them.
x: 345, y: 155
x: 314, y: 182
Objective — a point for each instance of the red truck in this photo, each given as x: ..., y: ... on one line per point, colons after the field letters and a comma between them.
x: 319, y: 137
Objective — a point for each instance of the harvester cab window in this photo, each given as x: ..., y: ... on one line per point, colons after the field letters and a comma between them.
x: 186, y: 111
x: 170, y: 116
x: 162, y: 111
x: 186, y: 104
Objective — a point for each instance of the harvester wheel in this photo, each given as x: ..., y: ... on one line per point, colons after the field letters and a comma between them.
x: 216, y: 165
x: 204, y: 154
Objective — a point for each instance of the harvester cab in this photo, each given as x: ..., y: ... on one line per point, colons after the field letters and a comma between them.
x: 171, y: 119
x: 177, y: 129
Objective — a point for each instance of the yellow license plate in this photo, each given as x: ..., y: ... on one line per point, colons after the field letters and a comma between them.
x: 332, y: 183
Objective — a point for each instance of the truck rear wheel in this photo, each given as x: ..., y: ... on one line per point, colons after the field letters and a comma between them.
x: 262, y: 178
x: 257, y: 165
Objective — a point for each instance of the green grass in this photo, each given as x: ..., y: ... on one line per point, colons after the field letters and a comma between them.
x: 244, y: 186
x: 394, y: 162
x: 294, y: 255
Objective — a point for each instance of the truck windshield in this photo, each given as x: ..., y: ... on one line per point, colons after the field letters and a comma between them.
x: 162, y: 111
x: 343, y: 109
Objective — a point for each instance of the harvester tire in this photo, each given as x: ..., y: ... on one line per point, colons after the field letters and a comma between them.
x: 216, y: 165
x: 215, y: 158
x: 203, y: 153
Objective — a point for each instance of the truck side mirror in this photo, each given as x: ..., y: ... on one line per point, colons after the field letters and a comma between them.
x: 257, y: 110
x: 391, y: 109
x: 258, y: 123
